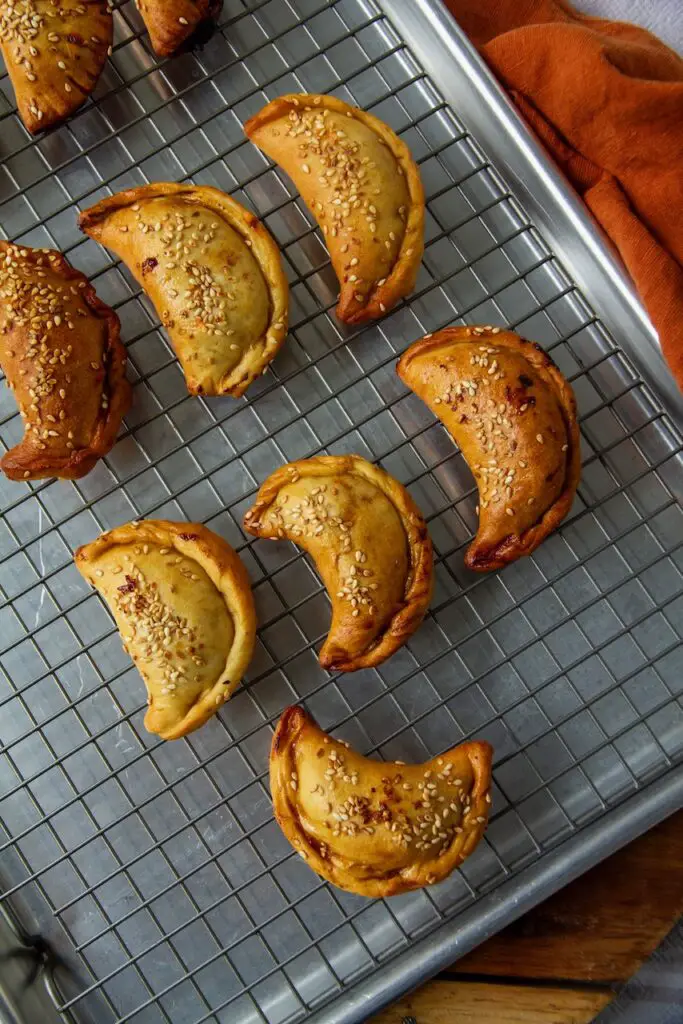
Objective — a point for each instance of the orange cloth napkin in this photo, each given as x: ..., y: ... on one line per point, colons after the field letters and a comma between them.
x: 606, y: 98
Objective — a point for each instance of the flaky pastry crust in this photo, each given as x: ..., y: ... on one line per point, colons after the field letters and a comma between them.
x: 513, y: 415
x: 182, y: 601
x: 54, y: 51
x: 370, y: 544
x: 172, y: 23
x: 64, y: 361
x: 376, y: 828
x: 212, y: 271
x: 363, y: 187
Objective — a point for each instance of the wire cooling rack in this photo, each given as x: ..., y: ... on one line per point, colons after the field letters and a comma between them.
x: 155, y: 870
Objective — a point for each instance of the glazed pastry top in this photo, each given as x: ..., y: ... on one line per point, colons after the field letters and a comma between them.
x: 513, y: 415
x: 60, y: 349
x: 171, y: 23
x: 369, y: 542
x: 375, y: 827
x: 212, y: 271
x: 362, y: 185
x: 54, y: 51
x: 182, y: 602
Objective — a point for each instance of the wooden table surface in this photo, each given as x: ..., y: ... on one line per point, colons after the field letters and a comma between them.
x: 563, y: 962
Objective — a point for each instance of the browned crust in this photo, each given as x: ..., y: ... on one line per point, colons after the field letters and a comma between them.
x: 478, y: 557
x: 23, y: 460
x: 167, y: 33
x: 263, y: 248
x: 56, y: 103
x: 401, y: 280
x: 225, y: 569
x: 420, y: 581
x: 296, y: 726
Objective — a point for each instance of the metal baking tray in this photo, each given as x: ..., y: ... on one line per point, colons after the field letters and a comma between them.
x: 154, y: 871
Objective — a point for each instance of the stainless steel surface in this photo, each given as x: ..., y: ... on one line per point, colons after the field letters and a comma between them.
x: 24, y: 967
x: 550, y: 202
x: 155, y: 870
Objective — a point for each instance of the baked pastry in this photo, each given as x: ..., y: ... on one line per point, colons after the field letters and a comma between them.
x: 513, y: 416
x: 54, y: 51
x: 361, y: 184
x: 212, y: 271
x: 376, y: 828
x: 171, y: 23
x: 369, y: 542
x: 62, y: 356
x: 182, y: 601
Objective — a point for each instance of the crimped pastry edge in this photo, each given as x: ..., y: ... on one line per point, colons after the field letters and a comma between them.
x: 226, y: 571
x: 76, y: 99
x: 185, y: 39
x: 511, y: 548
x: 419, y: 585
x: 79, y: 462
x: 289, y: 728
x: 401, y: 279
x: 262, y: 246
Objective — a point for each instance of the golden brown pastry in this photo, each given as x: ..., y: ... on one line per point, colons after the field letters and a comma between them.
x: 376, y: 828
x: 54, y: 51
x: 183, y: 605
x: 369, y: 542
x: 363, y: 187
x: 171, y: 23
x: 61, y: 353
x: 513, y: 416
x: 212, y: 271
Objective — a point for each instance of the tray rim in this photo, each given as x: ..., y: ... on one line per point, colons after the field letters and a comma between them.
x: 576, y: 238
x: 508, y: 901
x: 436, y: 37
x: 428, y: 24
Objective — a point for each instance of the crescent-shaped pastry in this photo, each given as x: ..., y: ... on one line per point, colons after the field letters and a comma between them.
x: 171, y: 23
x: 513, y: 415
x: 182, y: 602
x: 361, y: 184
x: 61, y: 353
x: 212, y: 271
x: 369, y: 542
x: 54, y: 51
x: 376, y: 828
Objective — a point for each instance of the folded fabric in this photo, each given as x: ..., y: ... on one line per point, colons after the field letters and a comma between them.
x: 606, y: 99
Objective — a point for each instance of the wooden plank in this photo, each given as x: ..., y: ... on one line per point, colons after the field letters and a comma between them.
x: 448, y: 1002
x: 603, y: 925
x: 594, y: 933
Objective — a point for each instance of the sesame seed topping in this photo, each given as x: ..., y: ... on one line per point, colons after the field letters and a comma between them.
x: 34, y: 47
x: 38, y: 302
x: 161, y: 641
x: 350, y: 180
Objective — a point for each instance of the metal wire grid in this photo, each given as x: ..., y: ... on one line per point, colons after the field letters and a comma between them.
x: 156, y: 869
